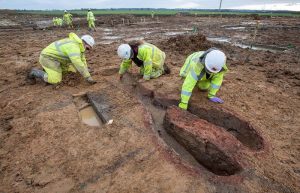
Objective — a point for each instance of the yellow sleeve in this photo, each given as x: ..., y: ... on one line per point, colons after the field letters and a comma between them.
x: 215, y: 84
x: 78, y: 60
x: 125, y: 65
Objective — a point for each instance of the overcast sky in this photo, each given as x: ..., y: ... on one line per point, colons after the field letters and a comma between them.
x: 197, y: 4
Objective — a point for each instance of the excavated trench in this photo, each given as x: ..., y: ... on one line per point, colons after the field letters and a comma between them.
x: 90, y: 117
x: 242, y: 130
x: 197, y: 151
x: 239, y: 128
x: 158, y: 114
x: 201, y: 139
x: 93, y: 108
x: 86, y: 112
x: 212, y: 138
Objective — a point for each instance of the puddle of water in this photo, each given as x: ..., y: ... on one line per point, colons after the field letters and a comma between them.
x: 107, y: 33
x: 219, y: 39
x: 105, y: 42
x: 7, y: 22
x: 248, y: 23
x: 134, y: 38
x: 148, y: 32
x: 245, y: 46
x: 89, y: 117
x: 107, y: 30
x: 174, y: 33
x: 44, y: 22
x: 235, y: 28
x: 187, y: 29
x: 111, y: 37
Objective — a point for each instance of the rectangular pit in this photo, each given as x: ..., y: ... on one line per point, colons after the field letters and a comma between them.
x: 212, y: 147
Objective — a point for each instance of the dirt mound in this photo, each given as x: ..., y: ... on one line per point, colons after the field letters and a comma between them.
x: 184, y: 44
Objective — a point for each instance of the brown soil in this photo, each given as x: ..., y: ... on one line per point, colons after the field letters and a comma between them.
x: 44, y: 146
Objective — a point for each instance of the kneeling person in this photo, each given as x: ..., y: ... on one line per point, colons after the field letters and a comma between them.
x: 148, y: 57
x: 63, y: 56
x: 206, y: 70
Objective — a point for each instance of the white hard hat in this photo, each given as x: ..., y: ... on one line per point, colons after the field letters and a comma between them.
x: 215, y: 60
x: 65, y: 10
x: 124, y: 51
x: 88, y: 39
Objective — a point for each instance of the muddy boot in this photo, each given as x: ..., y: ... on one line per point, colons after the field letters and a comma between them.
x: 166, y: 69
x: 36, y: 74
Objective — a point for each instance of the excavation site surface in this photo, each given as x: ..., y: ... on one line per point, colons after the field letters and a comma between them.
x: 128, y: 135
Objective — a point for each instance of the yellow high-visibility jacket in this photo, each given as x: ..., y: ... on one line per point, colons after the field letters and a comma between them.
x: 90, y: 16
x: 54, y: 21
x: 69, y: 50
x: 152, y: 57
x: 59, y: 21
x: 67, y: 18
x: 194, y: 71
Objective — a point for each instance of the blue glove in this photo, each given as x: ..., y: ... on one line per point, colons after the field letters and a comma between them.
x: 216, y: 100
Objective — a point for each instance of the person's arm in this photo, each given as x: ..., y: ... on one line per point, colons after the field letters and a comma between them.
x: 215, y: 84
x: 78, y: 60
x: 187, y: 88
x: 125, y: 65
x: 84, y: 60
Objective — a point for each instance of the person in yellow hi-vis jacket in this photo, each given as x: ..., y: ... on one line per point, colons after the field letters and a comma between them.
x: 205, y: 69
x: 91, y: 20
x: 148, y: 57
x: 66, y: 55
x: 54, y: 21
x: 59, y: 22
x: 68, y: 20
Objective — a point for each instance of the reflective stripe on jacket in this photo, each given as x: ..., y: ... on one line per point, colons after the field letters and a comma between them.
x: 194, y: 71
x: 151, y: 56
x: 69, y: 50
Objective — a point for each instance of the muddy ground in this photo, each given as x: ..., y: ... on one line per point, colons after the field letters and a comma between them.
x: 254, y: 136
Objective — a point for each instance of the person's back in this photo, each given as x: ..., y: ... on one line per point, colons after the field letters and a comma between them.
x: 65, y: 49
x: 65, y: 55
x: 147, y: 56
x: 59, y: 21
x: 192, y: 61
x: 68, y: 19
x: 90, y: 16
x: 65, y: 17
x: 149, y: 52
